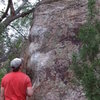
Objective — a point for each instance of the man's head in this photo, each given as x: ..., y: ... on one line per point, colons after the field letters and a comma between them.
x: 15, y: 64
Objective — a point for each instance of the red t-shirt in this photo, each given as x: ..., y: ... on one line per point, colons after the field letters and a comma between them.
x: 15, y: 85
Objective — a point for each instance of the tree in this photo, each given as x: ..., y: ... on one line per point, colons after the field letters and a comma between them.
x: 8, y: 17
x: 16, y: 18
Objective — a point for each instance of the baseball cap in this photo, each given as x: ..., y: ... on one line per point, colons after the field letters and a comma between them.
x: 16, y: 62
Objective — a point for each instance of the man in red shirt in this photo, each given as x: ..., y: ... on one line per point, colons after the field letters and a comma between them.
x: 16, y: 85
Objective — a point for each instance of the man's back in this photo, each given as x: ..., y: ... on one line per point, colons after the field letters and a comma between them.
x: 15, y: 85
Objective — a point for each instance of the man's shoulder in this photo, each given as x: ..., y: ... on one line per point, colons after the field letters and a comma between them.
x: 25, y: 76
x: 6, y: 75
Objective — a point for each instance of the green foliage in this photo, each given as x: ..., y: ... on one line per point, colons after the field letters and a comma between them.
x: 90, y: 41
x: 2, y: 28
x: 85, y: 72
x: 4, y: 70
x: 77, y: 67
x: 91, y: 8
x: 2, y: 73
x: 86, y: 64
x: 97, y: 25
x: 16, y: 47
x: 18, y: 28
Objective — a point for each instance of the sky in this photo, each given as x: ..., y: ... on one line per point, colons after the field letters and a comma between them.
x: 3, y: 4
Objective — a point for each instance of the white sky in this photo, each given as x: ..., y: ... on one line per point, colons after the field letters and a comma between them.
x: 3, y: 5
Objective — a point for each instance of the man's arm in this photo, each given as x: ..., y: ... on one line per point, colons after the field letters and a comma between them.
x: 29, y: 91
x: 2, y: 93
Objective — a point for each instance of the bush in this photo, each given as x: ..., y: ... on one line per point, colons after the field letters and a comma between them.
x: 86, y: 64
x: 2, y: 73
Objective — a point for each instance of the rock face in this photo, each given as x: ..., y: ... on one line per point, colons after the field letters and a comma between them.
x: 52, y: 43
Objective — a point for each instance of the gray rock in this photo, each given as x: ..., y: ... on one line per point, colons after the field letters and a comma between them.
x: 52, y: 43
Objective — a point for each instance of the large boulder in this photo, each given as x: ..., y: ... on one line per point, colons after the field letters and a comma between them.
x: 52, y: 42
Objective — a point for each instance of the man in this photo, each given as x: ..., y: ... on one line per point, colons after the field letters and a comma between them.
x: 16, y: 85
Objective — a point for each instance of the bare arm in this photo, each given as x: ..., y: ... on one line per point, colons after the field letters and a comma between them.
x: 2, y: 94
x: 29, y: 91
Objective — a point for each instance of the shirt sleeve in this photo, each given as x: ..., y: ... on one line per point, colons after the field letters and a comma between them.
x: 28, y: 82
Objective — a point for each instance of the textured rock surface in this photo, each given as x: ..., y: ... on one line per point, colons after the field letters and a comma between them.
x: 52, y: 43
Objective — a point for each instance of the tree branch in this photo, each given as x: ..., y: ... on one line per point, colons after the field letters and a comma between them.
x: 23, y: 14
x: 18, y: 32
x: 11, y: 18
x: 5, y: 13
x: 8, y: 20
x: 12, y: 11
